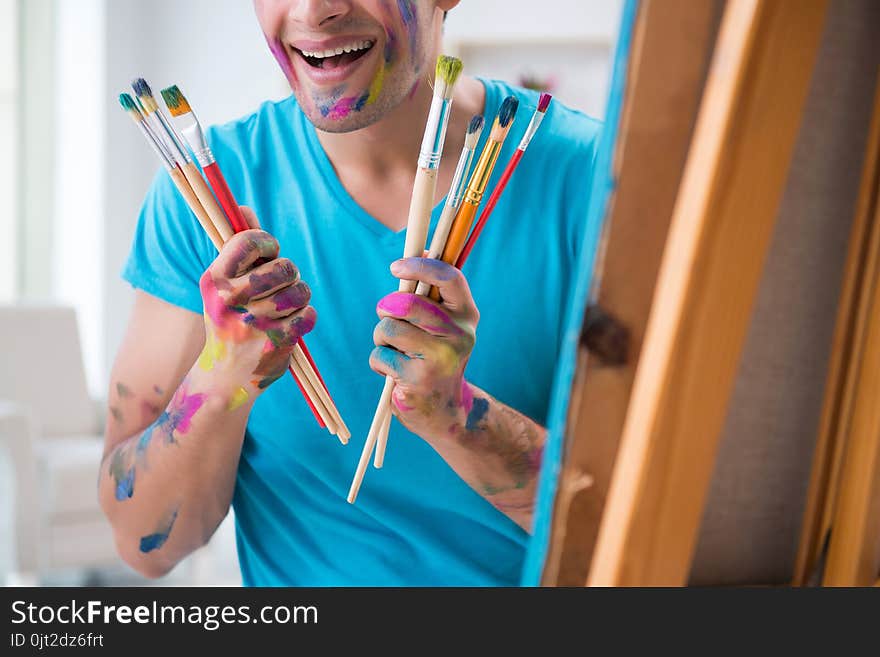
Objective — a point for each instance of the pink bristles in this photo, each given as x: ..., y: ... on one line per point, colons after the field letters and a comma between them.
x: 544, y: 102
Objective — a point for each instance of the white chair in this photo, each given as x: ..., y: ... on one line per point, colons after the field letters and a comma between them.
x: 50, y: 430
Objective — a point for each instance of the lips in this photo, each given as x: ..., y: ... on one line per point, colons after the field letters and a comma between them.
x: 332, y: 60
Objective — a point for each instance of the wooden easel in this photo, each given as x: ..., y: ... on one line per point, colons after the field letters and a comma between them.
x: 686, y: 236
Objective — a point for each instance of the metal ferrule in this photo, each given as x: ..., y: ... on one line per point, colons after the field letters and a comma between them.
x: 435, y: 133
x: 173, y: 135
x: 482, y: 172
x: 456, y: 189
x: 195, y: 137
x: 537, y: 117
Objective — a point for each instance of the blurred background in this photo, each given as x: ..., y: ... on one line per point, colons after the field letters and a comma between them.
x: 73, y: 172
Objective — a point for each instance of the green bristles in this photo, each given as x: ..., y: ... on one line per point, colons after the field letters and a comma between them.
x: 127, y: 102
x: 175, y: 100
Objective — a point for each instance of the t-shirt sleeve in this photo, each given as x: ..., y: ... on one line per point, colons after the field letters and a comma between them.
x: 170, y: 250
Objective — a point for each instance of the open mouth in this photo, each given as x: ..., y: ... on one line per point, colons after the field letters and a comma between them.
x: 336, y: 57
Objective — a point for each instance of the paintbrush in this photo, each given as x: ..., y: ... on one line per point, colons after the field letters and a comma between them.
x: 167, y: 160
x: 421, y: 203
x: 188, y: 124
x: 477, y: 185
x: 534, y: 124
x: 171, y: 153
x: 163, y: 129
x: 454, y: 197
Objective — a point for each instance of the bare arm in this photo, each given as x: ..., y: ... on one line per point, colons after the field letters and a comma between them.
x: 181, y: 390
x: 425, y: 347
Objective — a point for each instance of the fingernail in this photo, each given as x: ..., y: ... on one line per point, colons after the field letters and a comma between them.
x: 398, y: 266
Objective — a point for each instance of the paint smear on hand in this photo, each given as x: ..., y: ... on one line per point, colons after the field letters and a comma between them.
x: 157, y: 539
x: 214, y: 351
x: 238, y: 398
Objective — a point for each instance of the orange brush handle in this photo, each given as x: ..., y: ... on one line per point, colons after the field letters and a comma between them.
x: 458, y: 234
x: 490, y: 205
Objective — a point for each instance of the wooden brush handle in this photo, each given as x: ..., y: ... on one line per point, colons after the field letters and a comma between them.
x: 189, y: 196
x: 375, y: 426
x: 420, y: 206
x: 206, y: 198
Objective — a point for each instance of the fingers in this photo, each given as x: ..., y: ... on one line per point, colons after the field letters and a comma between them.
x: 249, y: 216
x: 401, y: 335
x: 450, y: 281
x: 283, y: 303
x: 390, y: 362
x: 243, y: 250
x: 421, y: 312
x: 298, y: 324
x: 262, y: 281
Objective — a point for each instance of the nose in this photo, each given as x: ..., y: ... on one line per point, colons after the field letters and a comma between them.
x: 318, y: 13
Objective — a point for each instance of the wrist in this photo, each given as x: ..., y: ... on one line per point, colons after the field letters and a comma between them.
x: 224, y: 390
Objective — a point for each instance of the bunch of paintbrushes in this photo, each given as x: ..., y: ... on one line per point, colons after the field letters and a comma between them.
x: 450, y: 241
x: 217, y: 211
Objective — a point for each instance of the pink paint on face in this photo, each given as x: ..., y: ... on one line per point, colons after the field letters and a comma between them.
x: 280, y: 54
x: 342, y: 109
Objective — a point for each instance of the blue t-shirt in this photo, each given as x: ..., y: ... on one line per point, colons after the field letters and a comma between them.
x: 415, y: 521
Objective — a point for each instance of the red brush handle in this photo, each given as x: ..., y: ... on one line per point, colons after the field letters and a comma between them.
x: 239, y: 224
x: 306, y: 395
x: 490, y: 205
x: 227, y: 200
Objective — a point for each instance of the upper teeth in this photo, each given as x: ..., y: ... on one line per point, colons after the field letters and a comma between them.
x: 354, y: 47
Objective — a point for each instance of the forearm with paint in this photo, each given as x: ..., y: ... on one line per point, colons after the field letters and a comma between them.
x: 496, y: 450
x: 166, y: 489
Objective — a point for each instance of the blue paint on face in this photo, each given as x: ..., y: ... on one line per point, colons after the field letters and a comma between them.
x: 408, y: 15
x: 155, y: 541
x: 478, y: 412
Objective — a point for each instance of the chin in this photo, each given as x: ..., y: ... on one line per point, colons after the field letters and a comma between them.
x: 353, y: 119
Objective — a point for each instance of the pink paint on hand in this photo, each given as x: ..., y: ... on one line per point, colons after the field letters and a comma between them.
x: 399, y: 403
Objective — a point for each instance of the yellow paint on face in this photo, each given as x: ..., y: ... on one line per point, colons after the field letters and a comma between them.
x: 376, y: 85
x: 215, y: 350
x: 239, y: 397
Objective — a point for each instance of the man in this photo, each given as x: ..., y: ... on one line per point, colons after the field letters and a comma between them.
x: 328, y: 173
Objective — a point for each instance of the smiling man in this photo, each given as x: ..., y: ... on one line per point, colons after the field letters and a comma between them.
x: 200, y: 414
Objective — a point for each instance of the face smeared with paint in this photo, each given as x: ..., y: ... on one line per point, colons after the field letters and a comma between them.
x: 349, y: 62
